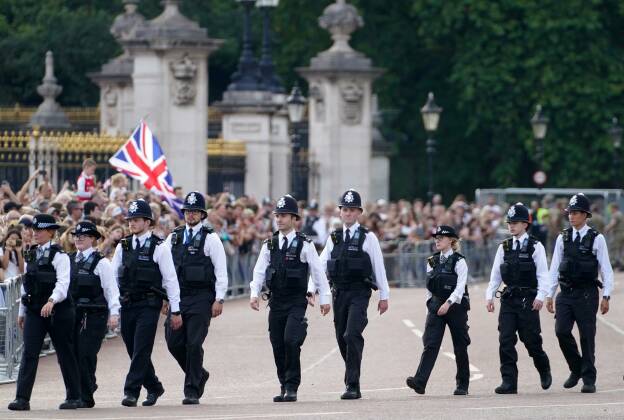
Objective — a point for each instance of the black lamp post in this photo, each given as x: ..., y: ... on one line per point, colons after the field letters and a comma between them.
x: 246, y: 77
x: 431, y: 117
x: 296, y: 107
x: 615, y: 131
x: 270, y: 80
x: 539, y: 125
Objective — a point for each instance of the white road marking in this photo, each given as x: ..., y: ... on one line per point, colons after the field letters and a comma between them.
x: 507, y: 407
x: 204, y: 416
x: 417, y: 332
x: 321, y: 360
x: 610, y: 324
x: 408, y: 323
x: 473, y: 368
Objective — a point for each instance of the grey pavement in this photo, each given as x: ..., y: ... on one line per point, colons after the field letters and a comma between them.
x: 243, y: 380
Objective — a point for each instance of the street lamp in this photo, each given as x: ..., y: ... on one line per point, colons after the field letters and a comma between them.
x: 539, y: 125
x: 431, y: 118
x: 246, y: 77
x: 295, y: 104
x: 270, y: 81
x: 615, y: 131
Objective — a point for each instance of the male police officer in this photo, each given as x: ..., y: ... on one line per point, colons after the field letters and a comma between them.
x: 96, y: 295
x: 199, y: 258
x: 46, y: 307
x: 520, y: 263
x: 144, y: 266
x: 285, y: 262
x: 354, y: 262
x: 580, y: 253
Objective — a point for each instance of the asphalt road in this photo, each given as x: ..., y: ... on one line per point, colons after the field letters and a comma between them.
x: 243, y: 380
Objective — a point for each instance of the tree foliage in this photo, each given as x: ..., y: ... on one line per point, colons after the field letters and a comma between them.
x: 488, y: 63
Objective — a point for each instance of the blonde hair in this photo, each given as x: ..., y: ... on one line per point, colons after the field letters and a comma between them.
x: 455, y: 246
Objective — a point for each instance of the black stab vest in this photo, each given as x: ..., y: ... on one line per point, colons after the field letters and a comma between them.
x: 86, y: 286
x: 195, y: 270
x: 40, y: 277
x: 286, y: 275
x: 442, y: 279
x: 138, y: 273
x: 518, y: 268
x: 579, y: 266
x: 349, y: 266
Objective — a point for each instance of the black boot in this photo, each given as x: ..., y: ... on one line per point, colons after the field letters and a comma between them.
x: 280, y: 397
x: 69, y: 405
x: 506, y: 388
x: 545, y: 379
x: 572, y: 380
x: 129, y: 401
x: 152, y: 397
x: 461, y: 389
x: 19, y: 404
x: 415, y: 385
x: 352, y: 393
x: 588, y: 388
x: 290, y: 396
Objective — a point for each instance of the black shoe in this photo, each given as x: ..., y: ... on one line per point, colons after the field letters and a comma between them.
x: 290, y: 396
x: 202, y: 384
x: 460, y: 391
x: 415, y: 385
x: 129, y: 401
x: 190, y: 401
x: 351, y: 394
x: 19, y: 404
x: 588, y: 388
x: 280, y: 397
x: 545, y: 379
x: 86, y: 404
x: 506, y: 388
x: 152, y: 397
x: 69, y: 405
x: 572, y: 380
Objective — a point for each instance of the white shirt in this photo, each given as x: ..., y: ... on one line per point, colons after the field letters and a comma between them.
x: 213, y: 248
x: 541, y: 269
x: 162, y: 257
x: 318, y: 279
x: 63, y: 269
x: 108, y: 281
x: 600, y: 251
x: 461, y: 268
x: 372, y: 248
x: 12, y: 269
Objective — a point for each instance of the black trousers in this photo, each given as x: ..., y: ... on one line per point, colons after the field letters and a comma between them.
x: 580, y: 306
x: 186, y: 344
x: 517, y: 319
x: 139, y: 321
x: 59, y: 327
x: 89, y: 331
x: 350, y: 319
x: 288, y: 328
x: 457, y: 320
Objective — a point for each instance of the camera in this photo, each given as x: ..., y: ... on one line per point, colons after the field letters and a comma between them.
x: 43, y: 172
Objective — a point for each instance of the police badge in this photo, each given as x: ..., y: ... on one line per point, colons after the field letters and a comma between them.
x: 573, y: 200
x: 512, y: 211
x: 133, y: 207
x: 192, y: 199
x: 281, y: 203
x: 349, y: 197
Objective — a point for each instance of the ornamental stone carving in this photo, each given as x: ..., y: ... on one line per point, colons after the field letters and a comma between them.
x: 341, y: 20
x: 352, y: 94
x: 184, y: 72
x: 316, y: 93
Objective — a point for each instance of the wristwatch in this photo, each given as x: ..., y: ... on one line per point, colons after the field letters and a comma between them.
x: 221, y: 301
x: 50, y: 300
x: 450, y: 302
x: 607, y: 298
x: 175, y: 313
x: 309, y: 294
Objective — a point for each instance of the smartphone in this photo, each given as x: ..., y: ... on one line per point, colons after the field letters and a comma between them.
x: 43, y: 172
x: 18, y: 242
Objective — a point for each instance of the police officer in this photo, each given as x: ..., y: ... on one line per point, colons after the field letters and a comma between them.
x: 447, y: 304
x: 94, y: 291
x: 285, y: 262
x: 520, y: 263
x: 354, y: 262
x: 46, y: 308
x: 146, y: 275
x: 199, y: 258
x: 580, y: 253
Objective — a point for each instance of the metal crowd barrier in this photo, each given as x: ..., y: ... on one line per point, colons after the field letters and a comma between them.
x: 11, y: 339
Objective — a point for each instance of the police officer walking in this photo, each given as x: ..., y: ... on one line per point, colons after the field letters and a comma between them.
x: 285, y: 262
x: 447, y: 304
x: 580, y: 254
x: 146, y: 275
x: 354, y: 263
x: 46, y: 308
x: 199, y: 259
x: 96, y: 295
x: 520, y: 263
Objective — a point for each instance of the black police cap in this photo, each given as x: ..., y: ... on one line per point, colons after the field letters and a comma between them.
x: 579, y: 202
x: 444, y: 230
x: 139, y: 208
x: 44, y: 221
x: 287, y: 205
x: 86, y: 228
x: 194, y: 201
x: 351, y: 199
x: 518, y: 213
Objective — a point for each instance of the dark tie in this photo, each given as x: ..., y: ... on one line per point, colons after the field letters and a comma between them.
x: 285, y: 245
x: 577, y: 240
x: 442, y: 259
x: 39, y: 252
x: 348, y: 236
x: 79, y: 257
x: 517, y: 245
x: 137, y: 243
x: 189, y: 236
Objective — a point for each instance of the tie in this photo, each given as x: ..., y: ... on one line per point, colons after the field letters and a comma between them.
x: 442, y: 259
x: 79, y: 257
x: 517, y: 244
x: 285, y: 245
x: 189, y: 236
x: 577, y: 240
x: 39, y: 252
x: 348, y: 236
x: 137, y: 244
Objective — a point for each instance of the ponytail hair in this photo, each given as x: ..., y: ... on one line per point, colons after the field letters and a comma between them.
x: 455, y: 246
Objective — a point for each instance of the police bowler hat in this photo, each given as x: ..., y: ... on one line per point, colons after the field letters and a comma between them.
x: 518, y: 213
x: 287, y: 205
x: 139, y: 208
x: 351, y: 199
x: 579, y: 202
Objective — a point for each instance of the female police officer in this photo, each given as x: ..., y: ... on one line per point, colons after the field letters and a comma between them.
x: 447, y: 304
x: 96, y: 295
x: 46, y: 308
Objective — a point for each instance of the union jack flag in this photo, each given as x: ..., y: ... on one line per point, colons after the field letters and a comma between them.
x: 142, y: 158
